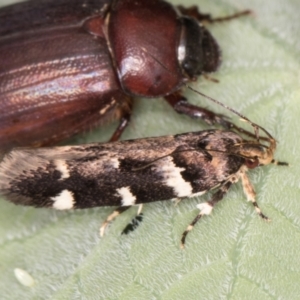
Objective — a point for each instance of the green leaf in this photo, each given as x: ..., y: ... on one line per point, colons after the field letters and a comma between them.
x: 232, y: 254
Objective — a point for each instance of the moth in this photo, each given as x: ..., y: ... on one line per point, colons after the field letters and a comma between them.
x: 136, y: 171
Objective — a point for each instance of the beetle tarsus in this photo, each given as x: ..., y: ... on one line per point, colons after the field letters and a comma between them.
x: 193, y: 11
x: 230, y: 17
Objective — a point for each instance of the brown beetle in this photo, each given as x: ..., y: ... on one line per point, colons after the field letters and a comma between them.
x: 70, y: 65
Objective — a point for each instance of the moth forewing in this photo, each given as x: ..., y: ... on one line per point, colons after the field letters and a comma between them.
x: 133, y: 172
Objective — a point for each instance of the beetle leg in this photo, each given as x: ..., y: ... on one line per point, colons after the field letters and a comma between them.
x: 125, y: 116
x: 121, y: 127
x: 182, y: 106
x: 206, y: 208
x: 194, y: 12
x: 230, y: 17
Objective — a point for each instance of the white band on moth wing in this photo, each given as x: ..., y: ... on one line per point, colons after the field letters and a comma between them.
x: 128, y: 199
x: 62, y: 167
x: 173, y: 178
x: 65, y: 200
x: 114, y: 162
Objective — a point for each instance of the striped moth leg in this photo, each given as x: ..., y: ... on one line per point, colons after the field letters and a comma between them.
x: 129, y: 227
x: 135, y: 222
x: 206, y: 208
x: 111, y: 217
x: 250, y: 193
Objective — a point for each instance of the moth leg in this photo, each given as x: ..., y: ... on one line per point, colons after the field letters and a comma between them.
x: 176, y: 201
x: 111, y: 217
x: 125, y: 116
x: 134, y: 222
x: 250, y: 193
x: 206, y: 209
x: 194, y: 12
x: 209, y: 78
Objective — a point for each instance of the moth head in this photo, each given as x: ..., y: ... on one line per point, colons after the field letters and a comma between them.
x: 255, y: 153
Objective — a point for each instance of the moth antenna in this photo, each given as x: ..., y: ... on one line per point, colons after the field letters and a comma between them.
x: 244, y: 118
